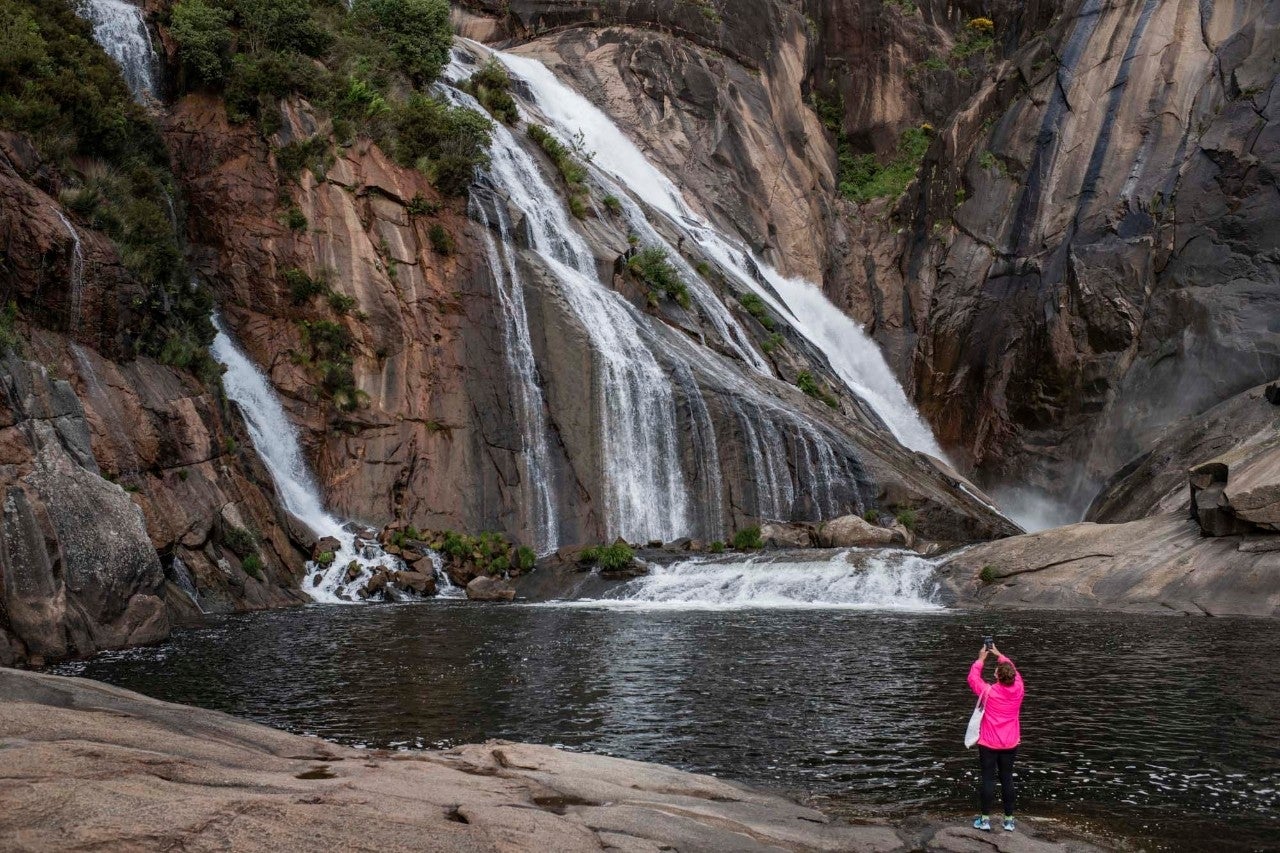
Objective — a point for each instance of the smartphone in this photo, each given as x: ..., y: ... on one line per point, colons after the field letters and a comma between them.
x: 988, y: 641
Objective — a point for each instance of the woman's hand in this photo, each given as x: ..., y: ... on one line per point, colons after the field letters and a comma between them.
x: 995, y: 651
x: 982, y: 653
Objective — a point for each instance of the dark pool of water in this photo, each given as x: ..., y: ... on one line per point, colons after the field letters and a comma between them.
x: 1166, y: 729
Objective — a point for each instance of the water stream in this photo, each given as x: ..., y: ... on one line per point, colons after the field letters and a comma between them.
x: 276, y: 440
x: 120, y: 28
x: 850, y: 352
x: 77, y: 272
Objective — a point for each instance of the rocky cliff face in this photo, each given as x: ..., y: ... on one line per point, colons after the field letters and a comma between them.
x: 124, y: 480
x: 437, y: 439
x: 1086, y: 253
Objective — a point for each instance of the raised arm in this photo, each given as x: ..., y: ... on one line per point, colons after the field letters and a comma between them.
x: 976, y: 684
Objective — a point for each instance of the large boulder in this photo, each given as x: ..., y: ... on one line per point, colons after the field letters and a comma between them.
x: 417, y: 582
x: 778, y: 535
x: 485, y: 588
x: 853, y: 531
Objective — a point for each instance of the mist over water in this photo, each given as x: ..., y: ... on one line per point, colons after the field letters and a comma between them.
x: 1034, y: 510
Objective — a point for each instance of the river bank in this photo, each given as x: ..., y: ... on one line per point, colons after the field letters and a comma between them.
x: 88, y: 765
x: 857, y: 712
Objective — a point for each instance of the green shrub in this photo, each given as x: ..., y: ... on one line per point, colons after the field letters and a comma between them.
x: 806, y: 383
x: 302, y: 287
x: 327, y: 349
x: 9, y: 339
x: 456, y: 545
x: 988, y: 575
x: 420, y: 206
x: 341, y: 303
x: 872, y: 515
x: 771, y: 343
x: 229, y: 444
x: 441, y: 239
x: 612, y: 204
x: 526, y: 558
x: 907, y: 517
x: 976, y: 37
x: 417, y: 32
x: 491, y: 87
x: 717, y: 547
x: 314, y: 154
x: 499, y: 565
x: 615, y: 557
x: 446, y: 143
x: 204, y: 37
x: 652, y: 267
x: 252, y: 566
x: 756, y: 308
x: 325, y: 559
x: 281, y: 25
x: 61, y: 90
x: 748, y: 539
x: 241, y: 541
x: 295, y: 219
x: 863, y: 178
x: 569, y: 162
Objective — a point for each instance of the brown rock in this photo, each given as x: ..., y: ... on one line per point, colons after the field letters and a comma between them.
x: 422, y: 584
x: 326, y: 545
x: 852, y: 531
x: 778, y: 535
x: 377, y: 583
x: 485, y: 588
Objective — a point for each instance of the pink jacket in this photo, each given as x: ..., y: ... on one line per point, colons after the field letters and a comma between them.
x: 1000, y: 728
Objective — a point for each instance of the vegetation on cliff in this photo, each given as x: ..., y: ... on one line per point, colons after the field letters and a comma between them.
x: 109, y: 165
x: 863, y: 177
x: 368, y: 70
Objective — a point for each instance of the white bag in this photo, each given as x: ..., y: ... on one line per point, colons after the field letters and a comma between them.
x: 975, y: 721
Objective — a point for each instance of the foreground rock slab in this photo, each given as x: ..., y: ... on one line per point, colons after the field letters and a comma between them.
x: 88, y: 766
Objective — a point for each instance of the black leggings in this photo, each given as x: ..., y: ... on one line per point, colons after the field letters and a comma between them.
x: 993, y: 760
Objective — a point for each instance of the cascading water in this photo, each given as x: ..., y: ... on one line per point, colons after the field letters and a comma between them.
x: 276, y: 440
x: 645, y: 492
x: 120, y: 28
x: 853, y: 355
x: 538, y: 477
x: 77, y: 271
x: 855, y: 579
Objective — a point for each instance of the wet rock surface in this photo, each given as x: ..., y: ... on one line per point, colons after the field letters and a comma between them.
x: 1087, y: 253
x: 100, y: 766
x: 1165, y: 563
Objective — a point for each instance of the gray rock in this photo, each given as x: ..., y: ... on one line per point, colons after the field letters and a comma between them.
x: 485, y: 588
x: 853, y: 531
x: 778, y: 535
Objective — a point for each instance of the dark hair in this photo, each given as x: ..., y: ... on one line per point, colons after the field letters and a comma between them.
x: 1005, y: 673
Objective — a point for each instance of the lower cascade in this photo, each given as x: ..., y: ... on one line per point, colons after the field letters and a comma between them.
x: 342, y: 574
x: 857, y: 578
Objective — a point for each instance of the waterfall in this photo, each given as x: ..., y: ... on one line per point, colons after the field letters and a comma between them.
x: 120, y: 28
x: 645, y: 492
x: 538, y: 480
x: 848, y: 349
x: 854, y: 579
x: 276, y: 440
x: 77, y: 272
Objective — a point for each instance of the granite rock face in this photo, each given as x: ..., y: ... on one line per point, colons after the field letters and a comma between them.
x: 1087, y: 253
x: 1162, y: 564
x: 438, y: 440
x: 121, y: 477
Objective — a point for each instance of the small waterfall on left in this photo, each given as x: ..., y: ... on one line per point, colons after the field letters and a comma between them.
x: 276, y: 440
x: 77, y: 271
x: 120, y: 28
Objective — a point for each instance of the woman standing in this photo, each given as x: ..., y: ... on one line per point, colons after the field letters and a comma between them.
x: 1000, y: 733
